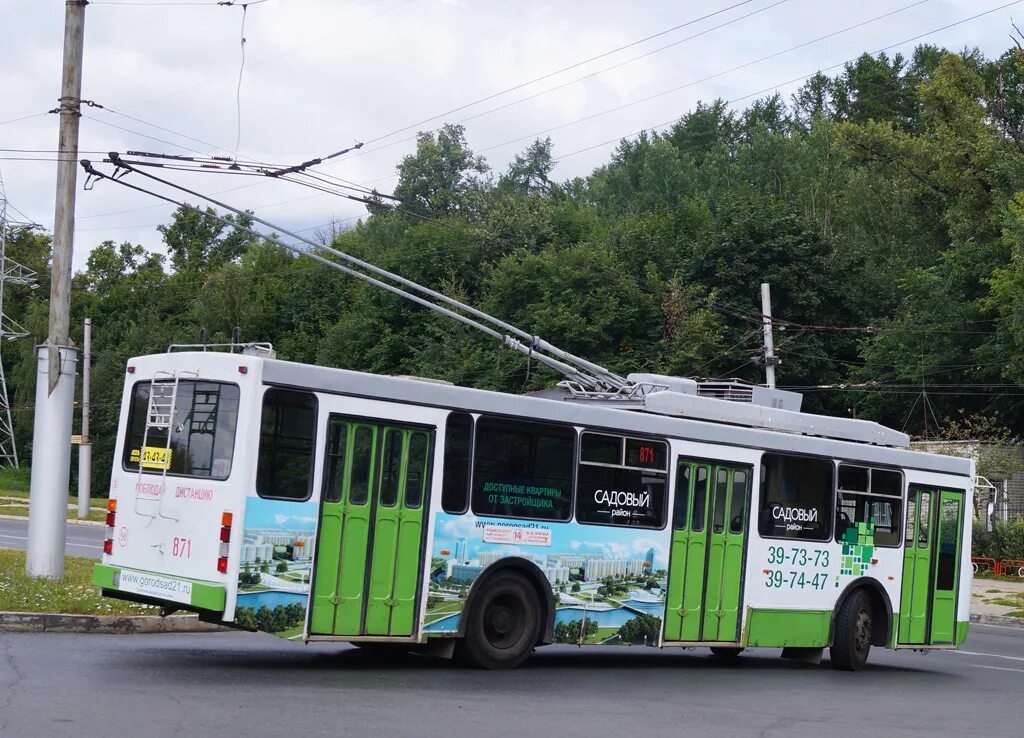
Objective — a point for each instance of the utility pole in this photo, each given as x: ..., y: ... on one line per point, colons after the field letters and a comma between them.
x: 55, y: 367
x: 769, y: 347
x: 85, y: 447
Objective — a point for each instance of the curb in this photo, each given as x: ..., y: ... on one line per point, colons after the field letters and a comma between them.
x: 71, y: 521
x: 34, y: 622
x: 997, y: 620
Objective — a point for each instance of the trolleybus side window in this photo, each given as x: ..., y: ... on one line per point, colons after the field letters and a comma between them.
x: 621, y: 481
x: 202, y: 438
x: 284, y: 468
x: 416, y: 470
x: 458, y: 441
x: 522, y: 469
x: 796, y: 497
x: 873, y: 497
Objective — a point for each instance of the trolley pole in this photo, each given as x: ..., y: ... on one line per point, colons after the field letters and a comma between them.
x: 55, y: 370
x: 769, y: 346
x: 85, y: 447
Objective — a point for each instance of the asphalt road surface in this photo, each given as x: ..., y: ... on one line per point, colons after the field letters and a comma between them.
x: 82, y: 540
x: 251, y: 685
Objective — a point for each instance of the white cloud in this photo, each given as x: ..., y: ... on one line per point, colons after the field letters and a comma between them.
x: 281, y: 519
x: 321, y: 75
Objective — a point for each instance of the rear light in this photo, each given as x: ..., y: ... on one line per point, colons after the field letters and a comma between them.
x: 243, y: 370
x: 131, y: 369
x: 225, y: 539
x: 108, y: 542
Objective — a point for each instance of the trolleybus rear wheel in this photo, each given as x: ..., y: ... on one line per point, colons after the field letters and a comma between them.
x: 502, y: 625
x: 852, y: 642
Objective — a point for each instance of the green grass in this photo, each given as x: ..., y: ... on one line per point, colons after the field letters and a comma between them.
x: 16, y: 508
x: 74, y: 594
x: 993, y: 591
x: 445, y: 607
x: 14, y: 481
x: 14, y: 485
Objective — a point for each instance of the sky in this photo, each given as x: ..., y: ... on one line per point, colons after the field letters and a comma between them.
x: 322, y: 75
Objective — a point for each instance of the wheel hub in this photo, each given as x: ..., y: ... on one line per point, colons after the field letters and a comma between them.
x: 862, y: 631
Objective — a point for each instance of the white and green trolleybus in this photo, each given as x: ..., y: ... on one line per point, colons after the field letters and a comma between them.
x: 324, y: 504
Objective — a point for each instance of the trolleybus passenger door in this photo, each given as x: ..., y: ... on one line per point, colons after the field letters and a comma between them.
x: 931, y: 566
x: 949, y: 524
x: 706, y: 562
x: 369, y: 546
x: 917, y: 558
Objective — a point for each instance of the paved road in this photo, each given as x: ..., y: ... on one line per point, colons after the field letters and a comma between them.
x: 82, y: 540
x: 255, y: 685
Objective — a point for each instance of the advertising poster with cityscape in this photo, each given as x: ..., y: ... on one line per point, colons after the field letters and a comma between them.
x: 276, y: 561
x: 609, y: 583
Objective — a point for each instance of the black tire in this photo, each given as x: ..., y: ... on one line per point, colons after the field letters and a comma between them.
x: 502, y: 625
x: 727, y: 652
x: 851, y: 643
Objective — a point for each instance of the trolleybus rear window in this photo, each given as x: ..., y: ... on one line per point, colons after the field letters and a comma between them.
x: 202, y: 431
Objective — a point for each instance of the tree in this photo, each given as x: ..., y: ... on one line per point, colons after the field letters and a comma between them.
x: 443, y: 177
x: 574, y: 631
x: 641, y: 629
x: 281, y: 568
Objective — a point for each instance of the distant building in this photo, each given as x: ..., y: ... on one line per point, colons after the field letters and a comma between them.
x: 463, y: 573
x: 460, y: 551
x: 488, y: 558
x: 601, y: 568
x: 556, y: 574
x: 649, y: 559
x: 261, y: 551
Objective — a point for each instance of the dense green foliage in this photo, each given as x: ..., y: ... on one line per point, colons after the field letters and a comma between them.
x: 884, y: 205
x: 574, y: 631
x: 1004, y: 542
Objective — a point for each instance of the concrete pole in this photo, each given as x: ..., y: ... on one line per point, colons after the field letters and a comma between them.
x: 769, y: 346
x: 55, y: 393
x: 85, y: 447
x: 48, y: 501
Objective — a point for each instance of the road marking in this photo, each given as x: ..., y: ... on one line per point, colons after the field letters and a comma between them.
x: 997, y: 668
x: 990, y: 655
x: 91, y: 546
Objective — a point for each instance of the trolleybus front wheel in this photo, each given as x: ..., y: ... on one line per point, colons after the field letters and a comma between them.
x: 502, y: 625
x: 852, y: 641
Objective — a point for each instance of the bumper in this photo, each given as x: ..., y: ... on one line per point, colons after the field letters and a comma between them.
x: 159, y: 587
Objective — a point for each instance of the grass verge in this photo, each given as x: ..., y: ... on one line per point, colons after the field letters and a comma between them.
x: 72, y: 595
x: 14, y: 493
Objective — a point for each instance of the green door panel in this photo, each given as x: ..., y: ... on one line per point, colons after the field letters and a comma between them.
x: 706, y: 560
x: 369, y: 551
x: 916, y: 568
x: 947, y: 566
x: 385, y: 533
x: 931, y: 566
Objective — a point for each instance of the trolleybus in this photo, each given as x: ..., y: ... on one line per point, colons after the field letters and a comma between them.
x: 322, y: 504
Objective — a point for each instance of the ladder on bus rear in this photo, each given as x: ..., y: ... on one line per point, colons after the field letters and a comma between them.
x: 160, y: 411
